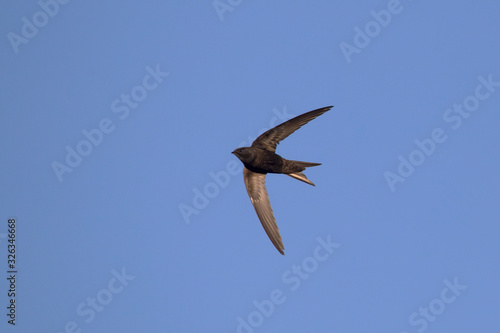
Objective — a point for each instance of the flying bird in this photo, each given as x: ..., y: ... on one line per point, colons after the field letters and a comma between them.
x: 261, y: 159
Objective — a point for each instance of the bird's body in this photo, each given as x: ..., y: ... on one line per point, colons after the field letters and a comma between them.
x: 261, y: 159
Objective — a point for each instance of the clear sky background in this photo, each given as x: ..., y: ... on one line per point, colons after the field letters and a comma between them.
x: 150, y: 229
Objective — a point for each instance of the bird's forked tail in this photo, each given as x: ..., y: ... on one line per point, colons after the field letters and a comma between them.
x: 299, y: 175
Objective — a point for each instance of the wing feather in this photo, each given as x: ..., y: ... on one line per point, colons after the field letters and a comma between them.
x: 256, y: 188
x: 270, y: 139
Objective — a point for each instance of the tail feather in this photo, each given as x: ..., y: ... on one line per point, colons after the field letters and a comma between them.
x: 294, y: 169
x: 305, y: 164
x: 300, y: 176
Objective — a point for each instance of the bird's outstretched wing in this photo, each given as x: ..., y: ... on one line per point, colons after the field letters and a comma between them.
x: 270, y: 139
x: 256, y: 188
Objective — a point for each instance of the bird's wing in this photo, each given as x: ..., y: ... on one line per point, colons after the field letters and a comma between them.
x: 256, y: 188
x: 270, y: 139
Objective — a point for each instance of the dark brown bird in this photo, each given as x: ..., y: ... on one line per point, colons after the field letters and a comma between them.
x: 261, y: 159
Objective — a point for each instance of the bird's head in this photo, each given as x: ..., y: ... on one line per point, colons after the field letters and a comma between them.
x: 245, y: 154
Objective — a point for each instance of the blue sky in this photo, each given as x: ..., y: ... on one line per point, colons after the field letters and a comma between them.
x: 118, y: 120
